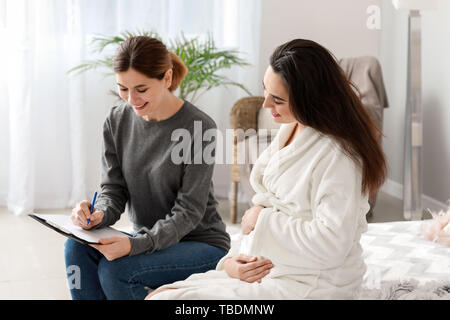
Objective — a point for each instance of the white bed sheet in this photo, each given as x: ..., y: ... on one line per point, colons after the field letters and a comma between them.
x: 395, y: 251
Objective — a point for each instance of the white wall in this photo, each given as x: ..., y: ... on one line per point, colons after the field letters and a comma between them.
x: 340, y: 26
x: 435, y: 96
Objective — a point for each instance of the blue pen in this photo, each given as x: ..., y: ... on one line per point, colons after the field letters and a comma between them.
x: 92, y: 206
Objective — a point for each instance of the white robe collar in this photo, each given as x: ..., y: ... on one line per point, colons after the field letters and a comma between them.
x: 271, y: 162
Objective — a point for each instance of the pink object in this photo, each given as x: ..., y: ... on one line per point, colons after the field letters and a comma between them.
x: 438, y: 229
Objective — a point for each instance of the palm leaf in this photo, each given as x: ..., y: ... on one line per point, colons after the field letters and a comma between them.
x: 92, y: 65
x: 202, y: 58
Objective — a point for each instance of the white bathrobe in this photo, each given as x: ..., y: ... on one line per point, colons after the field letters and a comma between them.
x: 310, y: 227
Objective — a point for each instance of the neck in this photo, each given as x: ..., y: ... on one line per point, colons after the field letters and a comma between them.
x: 168, y: 107
x: 298, y: 128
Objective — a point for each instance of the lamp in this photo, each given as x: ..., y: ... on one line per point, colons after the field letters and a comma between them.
x: 412, y: 175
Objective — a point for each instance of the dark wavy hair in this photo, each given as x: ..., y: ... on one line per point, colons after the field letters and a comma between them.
x: 322, y: 97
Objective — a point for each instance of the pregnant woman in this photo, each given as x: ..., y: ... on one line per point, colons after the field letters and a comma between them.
x: 177, y: 229
x: 301, y: 240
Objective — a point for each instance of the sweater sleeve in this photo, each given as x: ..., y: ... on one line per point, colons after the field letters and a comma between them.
x: 188, y: 209
x: 325, y: 241
x: 114, y: 192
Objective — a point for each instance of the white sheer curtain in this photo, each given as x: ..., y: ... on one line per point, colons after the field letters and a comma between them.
x: 51, y: 123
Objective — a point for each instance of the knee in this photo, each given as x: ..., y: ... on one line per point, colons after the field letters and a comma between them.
x: 78, y: 253
x: 120, y: 280
x: 73, y: 250
x: 111, y: 276
x: 107, y: 270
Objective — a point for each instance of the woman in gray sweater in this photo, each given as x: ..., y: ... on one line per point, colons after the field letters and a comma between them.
x: 164, y: 183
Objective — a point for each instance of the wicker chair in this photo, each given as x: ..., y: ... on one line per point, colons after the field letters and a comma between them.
x: 243, y: 115
x: 364, y: 72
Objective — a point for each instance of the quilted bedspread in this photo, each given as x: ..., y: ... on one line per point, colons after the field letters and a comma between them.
x: 395, y: 251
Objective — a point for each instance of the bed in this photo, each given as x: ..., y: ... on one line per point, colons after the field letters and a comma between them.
x: 401, y: 264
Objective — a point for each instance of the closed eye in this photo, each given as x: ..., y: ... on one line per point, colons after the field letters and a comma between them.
x: 276, y: 99
x: 139, y: 91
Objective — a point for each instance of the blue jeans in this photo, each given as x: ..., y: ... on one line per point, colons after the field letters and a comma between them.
x: 92, y: 277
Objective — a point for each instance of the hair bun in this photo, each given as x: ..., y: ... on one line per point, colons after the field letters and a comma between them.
x: 179, y: 70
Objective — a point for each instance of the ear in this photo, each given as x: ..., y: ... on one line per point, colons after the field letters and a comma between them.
x: 168, y: 78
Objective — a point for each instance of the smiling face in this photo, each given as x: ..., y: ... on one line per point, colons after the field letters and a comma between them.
x: 276, y: 97
x: 142, y: 93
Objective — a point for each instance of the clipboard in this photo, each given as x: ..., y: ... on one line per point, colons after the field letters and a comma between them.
x: 63, y: 225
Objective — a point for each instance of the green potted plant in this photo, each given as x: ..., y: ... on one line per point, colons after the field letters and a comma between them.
x: 202, y: 58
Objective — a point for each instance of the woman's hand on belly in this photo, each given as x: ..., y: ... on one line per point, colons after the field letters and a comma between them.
x: 249, y: 219
x: 247, y: 268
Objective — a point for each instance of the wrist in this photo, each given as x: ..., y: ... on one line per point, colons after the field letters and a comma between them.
x: 225, y: 262
x: 226, y: 267
x: 128, y: 246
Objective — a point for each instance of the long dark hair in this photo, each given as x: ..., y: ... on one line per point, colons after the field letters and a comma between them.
x: 150, y: 57
x: 322, y: 97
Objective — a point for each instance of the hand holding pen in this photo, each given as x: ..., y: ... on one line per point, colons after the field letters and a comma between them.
x: 85, y: 215
x: 92, y: 208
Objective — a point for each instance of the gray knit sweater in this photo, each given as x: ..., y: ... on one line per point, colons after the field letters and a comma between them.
x: 168, y: 200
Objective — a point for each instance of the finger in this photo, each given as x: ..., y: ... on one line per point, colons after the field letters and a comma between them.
x: 257, y: 273
x: 81, y: 216
x: 85, y: 204
x: 83, y: 224
x: 80, y: 221
x: 253, y: 268
x: 99, y: 248
x: 261, y: 262
x: 107, y: 240
x: 85, y: 207
x: 247, y: 230
x: 245, y: 258
x: 88, y: 216
x: 93, y: 217
x: 95, y: 246
x: 255, y: 262
x: 258, y: 270
x: 257, y: 277
x: 97, y: 216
